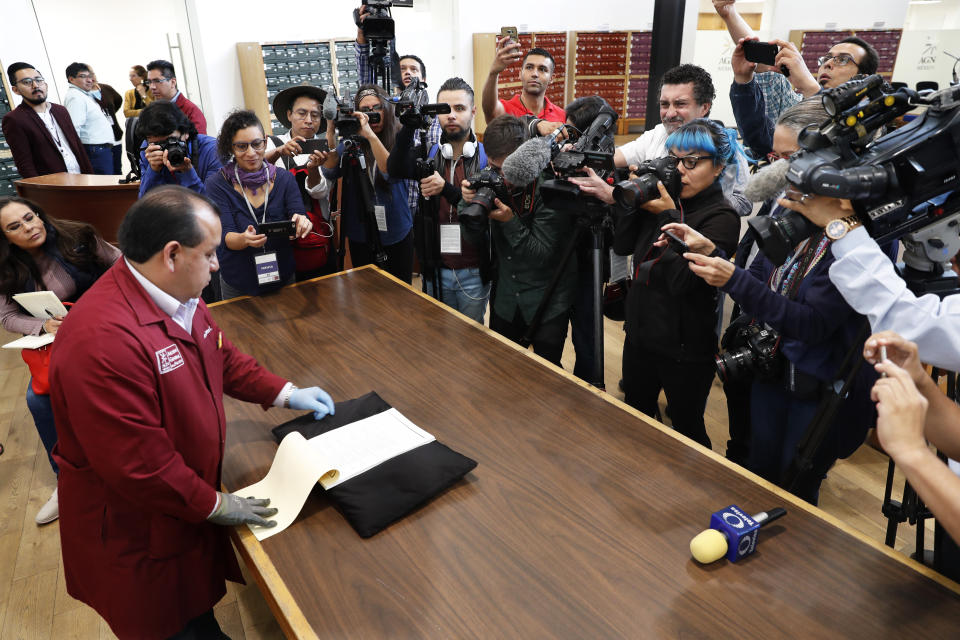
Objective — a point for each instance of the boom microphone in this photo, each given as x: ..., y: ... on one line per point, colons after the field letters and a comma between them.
x: 732, y: 533
x: 768, y: 182
x: 523, y: 166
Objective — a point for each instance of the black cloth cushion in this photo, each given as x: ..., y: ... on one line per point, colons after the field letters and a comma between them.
x: 382, y: 495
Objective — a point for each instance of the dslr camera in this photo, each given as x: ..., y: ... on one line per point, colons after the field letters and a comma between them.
x: 751, y: 350
x: 489, y: 185
x: 176, y: 150
x: 631, y: 194
x: 901, y: 184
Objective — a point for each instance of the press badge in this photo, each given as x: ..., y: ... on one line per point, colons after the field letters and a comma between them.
x: 380, y: 212
x: 268, y: 270
x: 450, y: 239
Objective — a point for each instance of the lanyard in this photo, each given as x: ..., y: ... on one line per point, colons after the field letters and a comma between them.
x: 266, y: 196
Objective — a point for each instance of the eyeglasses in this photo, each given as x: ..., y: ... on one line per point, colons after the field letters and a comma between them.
x: 303, y: 113
x: 690, y: 162
x: 17, y: 226
x: 84, y: 76
x: 378, y: 107
x: 29, y: 82
x: 841, y: 60
x: 258, y: 145
x: 156, y: 81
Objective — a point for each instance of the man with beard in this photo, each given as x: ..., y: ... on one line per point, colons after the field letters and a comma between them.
x: 41, y: 135
x: 536, y: 73
x: 464, y: 276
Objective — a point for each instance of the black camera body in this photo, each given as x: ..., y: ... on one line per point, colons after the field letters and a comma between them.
x: 346, y: 122
x: 899, y: 183
x: 489, y: 185
x: 593, y: 149
x: 412, y: 108
x: 632, y: 193
x: 176, y: 150
x: 752, y: 350
x: 379, y: 24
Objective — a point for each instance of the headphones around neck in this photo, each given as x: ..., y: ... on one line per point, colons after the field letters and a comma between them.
x: 469, y: 149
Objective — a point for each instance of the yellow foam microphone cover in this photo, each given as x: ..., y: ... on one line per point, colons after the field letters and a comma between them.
x: 708, y: 546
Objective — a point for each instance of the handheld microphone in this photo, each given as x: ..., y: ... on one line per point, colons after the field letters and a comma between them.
x: 768, y: 182
x: 732, y: 533
x: 523, y: 166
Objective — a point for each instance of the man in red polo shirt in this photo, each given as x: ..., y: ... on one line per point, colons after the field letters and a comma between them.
x: 535, y: 75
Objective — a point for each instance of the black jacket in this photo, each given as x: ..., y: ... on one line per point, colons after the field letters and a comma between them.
x: 670, y: 310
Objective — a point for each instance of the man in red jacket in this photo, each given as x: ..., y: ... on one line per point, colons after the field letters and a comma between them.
x: 138, y: 374
x: 41, y: 134
x: 162, y: 81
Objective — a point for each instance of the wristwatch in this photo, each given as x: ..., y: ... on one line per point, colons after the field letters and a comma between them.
x: 838, y: 228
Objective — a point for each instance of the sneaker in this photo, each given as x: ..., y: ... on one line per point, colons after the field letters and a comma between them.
x: 50, y: 511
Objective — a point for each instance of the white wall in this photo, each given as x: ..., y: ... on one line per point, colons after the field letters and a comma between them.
x: 109, y: 35
x: 424, y: 30
x: 788, y: 15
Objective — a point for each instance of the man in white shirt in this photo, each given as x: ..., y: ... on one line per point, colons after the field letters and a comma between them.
x: 92, y: 121
x: 41, y: 134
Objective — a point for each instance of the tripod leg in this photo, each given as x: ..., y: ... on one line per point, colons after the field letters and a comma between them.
x: 598, y: 372
x: 891, y: 510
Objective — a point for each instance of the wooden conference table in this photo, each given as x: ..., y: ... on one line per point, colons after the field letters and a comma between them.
x: 100, y: 200
x: 575, y: 524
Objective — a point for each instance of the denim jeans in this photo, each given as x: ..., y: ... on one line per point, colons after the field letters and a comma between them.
x: 463, y: 290
x: 101, y: 157
x: 42, y: 412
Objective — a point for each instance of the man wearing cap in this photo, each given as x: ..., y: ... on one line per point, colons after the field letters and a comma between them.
x: 300, y: 110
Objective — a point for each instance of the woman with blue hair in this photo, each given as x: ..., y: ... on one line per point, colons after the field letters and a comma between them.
x: 671, y: 314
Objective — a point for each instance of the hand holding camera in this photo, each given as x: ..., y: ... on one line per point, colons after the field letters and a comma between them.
x: 466, y: 193
x: 500, y: 211
x: 594, y: 185
x: 661, y: 204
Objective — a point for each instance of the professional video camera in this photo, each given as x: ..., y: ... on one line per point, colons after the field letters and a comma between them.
x: 379, y: 24
x: 412, y: 108
x: 594, y: 149
x: 489, y: 185
x: 632, y: 193
x: 176, y: 150
x: 903, y: 184
x: 346, y: 122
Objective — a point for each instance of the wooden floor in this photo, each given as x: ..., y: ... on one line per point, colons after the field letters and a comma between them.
x: 33, y: 598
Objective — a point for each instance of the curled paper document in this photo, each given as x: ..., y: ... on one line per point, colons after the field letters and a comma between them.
x: 330, y: 459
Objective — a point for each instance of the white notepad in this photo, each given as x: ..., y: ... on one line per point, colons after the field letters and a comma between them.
x: 30, y: 342
x: 41, y: 304
x: 330, y: 458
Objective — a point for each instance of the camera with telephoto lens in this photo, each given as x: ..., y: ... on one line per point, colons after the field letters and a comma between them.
x: 901, y: 184
x: 412, y: 108
x: 751, y: 350
x: 176, y: 150
x: 631, y: 194
x: 489, y: 185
